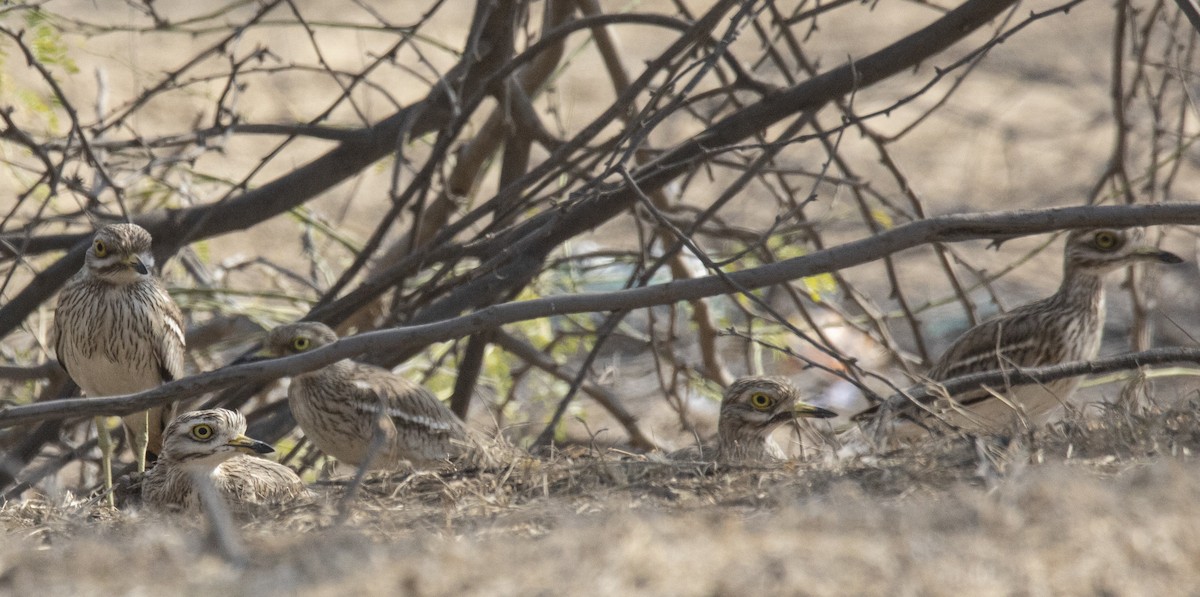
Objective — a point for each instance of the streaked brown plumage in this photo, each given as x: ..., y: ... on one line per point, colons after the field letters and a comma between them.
x: 211, y: 443
x: 751, y: 409
x: 1064, y: 327
x: 117, y: 331
x: 341, y: 406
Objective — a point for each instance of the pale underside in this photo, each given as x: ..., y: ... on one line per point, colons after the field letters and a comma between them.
x: 118, y: 340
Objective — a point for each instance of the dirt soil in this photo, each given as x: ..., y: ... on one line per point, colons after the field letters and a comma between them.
x: 1103, y: 505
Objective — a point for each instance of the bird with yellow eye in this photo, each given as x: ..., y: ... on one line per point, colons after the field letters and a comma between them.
x: 347, y: 407
x: 1065, y: 327
x: 751, y: 409
x: 212, y: 444
x: 117, y: 331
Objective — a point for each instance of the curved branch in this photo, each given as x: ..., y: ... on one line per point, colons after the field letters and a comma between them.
x: 952, y: 228
x: 301, y: 185
x: 521, y: 250
x: 1033, y: 375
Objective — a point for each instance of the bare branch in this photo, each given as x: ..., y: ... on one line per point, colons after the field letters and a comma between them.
x: 1039, y: 375
x: 1000, y: 226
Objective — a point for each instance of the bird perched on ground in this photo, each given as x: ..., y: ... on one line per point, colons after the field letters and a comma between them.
x: 343, y: 406
x: 211, y: 443
x: 117, y: 331
x: 751, y: 409
x: 1064, y: 327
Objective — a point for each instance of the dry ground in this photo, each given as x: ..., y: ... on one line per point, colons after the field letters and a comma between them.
x: 1104, y: 505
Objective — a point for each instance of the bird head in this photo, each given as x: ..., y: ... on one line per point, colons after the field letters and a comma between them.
x: 295, y: 338
x: 205, y: 438
x: 120, y: 254
x: 754, y: 406
x: 1103, y: 250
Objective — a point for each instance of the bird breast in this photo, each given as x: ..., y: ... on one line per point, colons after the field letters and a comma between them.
x: 110, y: 337
x: 321, y: 404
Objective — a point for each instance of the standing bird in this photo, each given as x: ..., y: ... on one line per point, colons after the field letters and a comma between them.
x: 117, y: 331
x: 212, y: 444
x: 1065, y: 327
x: 751, y: 409
x: 341, y: 407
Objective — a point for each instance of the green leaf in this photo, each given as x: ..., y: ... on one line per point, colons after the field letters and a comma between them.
x: 818, y: 284
x: 47, y: 44
x: 36, y: 103
x: 882, y: 218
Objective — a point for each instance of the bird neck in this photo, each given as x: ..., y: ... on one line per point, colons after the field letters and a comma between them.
x: 1081, y: 286
x: 337, y: 369
x: 204, y: 464
x: 116, y: 277
x: 733, y: 446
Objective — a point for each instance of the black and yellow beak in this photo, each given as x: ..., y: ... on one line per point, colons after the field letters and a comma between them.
x: 136, y: 265
x: 803, y: 409
x: 250, y: 446
x: 1155, y: 254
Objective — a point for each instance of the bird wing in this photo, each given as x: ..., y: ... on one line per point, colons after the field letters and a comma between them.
x: 170, y: 343
x: 169, y: 346
x: 407, y: 404
x: 1001, y: 343
x: 56, y: 338
x: 252, y: 480
x: 56, y: 333
x: 993, y: 345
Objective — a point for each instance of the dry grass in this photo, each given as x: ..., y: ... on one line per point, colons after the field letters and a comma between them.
x: 1103, y: 505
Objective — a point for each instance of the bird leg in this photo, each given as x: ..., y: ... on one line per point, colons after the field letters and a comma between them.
x: 378, y: 439
x: 137, y: 429
x: 105, y: 440
x: 142, y: 440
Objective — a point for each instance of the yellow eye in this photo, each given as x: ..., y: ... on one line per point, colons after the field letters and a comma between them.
x: 99, y: 249
x: 301, y: 343
x: 202, y: 432
x: 761, y: 401
x: 1105, y: 240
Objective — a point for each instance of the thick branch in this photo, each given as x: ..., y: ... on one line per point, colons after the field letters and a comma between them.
x: 950, y: 228
x: 521, y: 251
x: 1191, y: 9
x: 1034, y: 375
x: 171, y: 228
